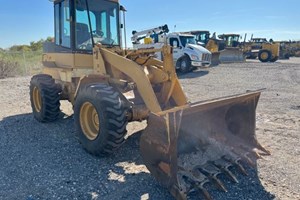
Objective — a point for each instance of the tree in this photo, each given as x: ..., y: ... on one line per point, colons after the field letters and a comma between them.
x: 20, y: 48
x: 36, y: 46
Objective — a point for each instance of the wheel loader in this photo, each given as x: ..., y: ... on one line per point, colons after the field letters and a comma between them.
x: 109, y: 87
x: 261, y: 48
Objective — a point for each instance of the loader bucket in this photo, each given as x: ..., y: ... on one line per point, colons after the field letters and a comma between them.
x: 231, y: 55
x: 184, y: 148
x: 215, y: 59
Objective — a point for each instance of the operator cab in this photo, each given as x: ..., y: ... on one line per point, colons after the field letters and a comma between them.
x: 82, y: 23
x: 201, y: 36
x: 231, y: 40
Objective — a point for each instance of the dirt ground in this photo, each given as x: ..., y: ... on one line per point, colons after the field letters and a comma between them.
x: 45, y: 161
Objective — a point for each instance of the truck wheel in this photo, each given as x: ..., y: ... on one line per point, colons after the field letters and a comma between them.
x: 264, y: 55
x: 100, y: 119
x: 274, y: 59
x: 44, y: 97
x: 185, y: 64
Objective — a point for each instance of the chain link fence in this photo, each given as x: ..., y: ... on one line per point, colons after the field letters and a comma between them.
x: 20, y: 63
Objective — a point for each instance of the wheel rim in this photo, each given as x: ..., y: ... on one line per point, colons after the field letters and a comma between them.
x: 183, y: 65
x: 89, y: 121
x: 37, y: 99
x: 264, y: 55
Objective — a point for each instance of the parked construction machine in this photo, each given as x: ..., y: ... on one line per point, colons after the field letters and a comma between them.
x: 266, y: 51
x: 233, y: 50
x: 109, y: 86
x: 224, y: 49
x: 187, y: 54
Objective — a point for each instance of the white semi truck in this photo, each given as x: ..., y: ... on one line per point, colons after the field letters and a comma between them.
x: 187, y: 54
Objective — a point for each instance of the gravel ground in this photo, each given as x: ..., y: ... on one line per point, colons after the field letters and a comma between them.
x: 45, y: 161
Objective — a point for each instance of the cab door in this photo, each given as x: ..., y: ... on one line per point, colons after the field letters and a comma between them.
x: 177, y: 48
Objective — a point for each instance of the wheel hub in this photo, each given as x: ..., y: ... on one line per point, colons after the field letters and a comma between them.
x: 37, y: 99
x: 89, y: 121
x: 264, y: 55
x: 183, y: 64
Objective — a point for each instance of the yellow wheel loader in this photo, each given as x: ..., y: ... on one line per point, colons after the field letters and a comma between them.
x: 109, y: 87
x: 261, y: 48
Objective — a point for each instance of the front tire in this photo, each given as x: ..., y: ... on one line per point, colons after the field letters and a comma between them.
x: 45, y: 97
x: 185, y: 65
x: 100, y: 119
x: 264, y: 55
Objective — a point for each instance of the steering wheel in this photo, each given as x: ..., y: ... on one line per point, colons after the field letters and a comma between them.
x: 82, y: 46
x: 98, y: 33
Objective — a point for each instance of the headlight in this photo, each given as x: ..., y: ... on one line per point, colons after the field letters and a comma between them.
x: 194, y: 57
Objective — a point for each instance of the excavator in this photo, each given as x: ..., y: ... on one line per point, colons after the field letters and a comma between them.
x: 185, y: 145
x: 224, y: 49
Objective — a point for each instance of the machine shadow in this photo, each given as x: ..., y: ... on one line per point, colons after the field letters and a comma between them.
x: 51, y: 152
x: 58, y: 158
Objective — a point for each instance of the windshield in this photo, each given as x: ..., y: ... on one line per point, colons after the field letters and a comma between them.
x: 187, y: 40
x: 203, y: 37
x: 233, y: 38
x: 104, y: 16
x: 259, y: 40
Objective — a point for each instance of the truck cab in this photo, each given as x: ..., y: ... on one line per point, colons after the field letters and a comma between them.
x: 187, y: 54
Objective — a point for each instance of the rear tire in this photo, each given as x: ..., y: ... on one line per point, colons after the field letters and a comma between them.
x: 45, y: 97
x: 185, y: 64
x: 100, y: 119
x: 264, y: 55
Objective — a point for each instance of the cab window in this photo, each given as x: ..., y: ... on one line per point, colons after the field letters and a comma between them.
x: 173, y: 42
x: 104, y: 24
x: 62, y: 24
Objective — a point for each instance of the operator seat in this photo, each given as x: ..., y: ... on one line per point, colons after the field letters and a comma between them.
x: 82, y: 33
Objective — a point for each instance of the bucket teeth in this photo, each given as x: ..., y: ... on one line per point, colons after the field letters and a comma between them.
x: 204, y: 192
x: 263, y: 149
x: 224, y: 166
x: 212, y: 172
x: 185, y: 182
x: 200, y: 178
x: 248, y: 159
x: 245, y: 155
x: 257, y: 155
x: 253, y: 152
x: 195, y: 180
x: 237, y: 163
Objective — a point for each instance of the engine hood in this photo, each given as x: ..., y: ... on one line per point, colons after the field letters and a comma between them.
x: 197, y: 48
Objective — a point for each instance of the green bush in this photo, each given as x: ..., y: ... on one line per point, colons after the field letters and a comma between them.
x: 8, y: 68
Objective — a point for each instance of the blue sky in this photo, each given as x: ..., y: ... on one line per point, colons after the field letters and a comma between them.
x: 31, y: 20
